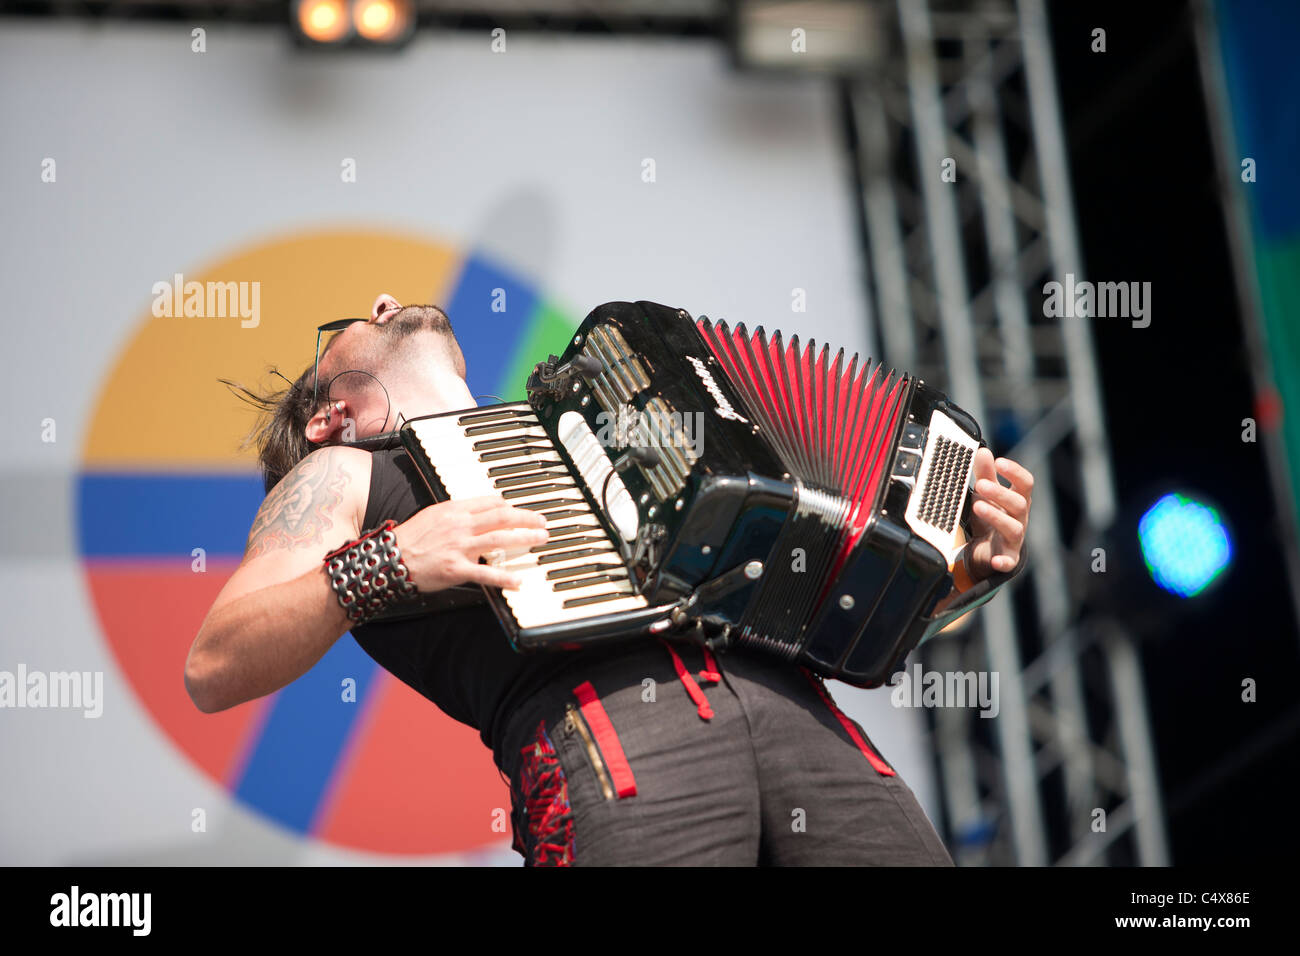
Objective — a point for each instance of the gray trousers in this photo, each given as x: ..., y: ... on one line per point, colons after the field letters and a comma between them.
x: 672, y: 756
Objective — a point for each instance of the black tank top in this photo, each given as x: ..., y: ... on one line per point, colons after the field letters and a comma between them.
x: 460, y: 659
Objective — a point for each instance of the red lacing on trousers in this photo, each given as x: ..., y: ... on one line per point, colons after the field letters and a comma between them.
x: 549, y: 817
x: 710, y: 675
x: 873, y: 758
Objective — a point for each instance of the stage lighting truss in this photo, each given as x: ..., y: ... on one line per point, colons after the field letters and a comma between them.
x: 352, y: 24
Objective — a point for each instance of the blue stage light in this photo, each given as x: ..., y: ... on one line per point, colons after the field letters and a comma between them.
x: 1185, y: 544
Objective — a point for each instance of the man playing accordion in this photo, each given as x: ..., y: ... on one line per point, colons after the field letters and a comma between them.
x: 645, y: 753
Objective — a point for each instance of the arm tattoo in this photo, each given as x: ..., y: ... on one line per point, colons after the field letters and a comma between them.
x: 298, y: 510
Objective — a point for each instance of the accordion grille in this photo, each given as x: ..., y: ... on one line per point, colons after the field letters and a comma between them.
x: 663, y: 429
x: 622, y: 378
x: 623, y: 374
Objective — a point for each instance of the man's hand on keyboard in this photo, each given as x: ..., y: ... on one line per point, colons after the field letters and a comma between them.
x: 441, y: 544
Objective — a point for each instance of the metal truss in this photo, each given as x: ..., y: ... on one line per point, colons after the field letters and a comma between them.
x: 956, y: 271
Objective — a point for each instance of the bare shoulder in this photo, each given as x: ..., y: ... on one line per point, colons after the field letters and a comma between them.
x: 320, y: 502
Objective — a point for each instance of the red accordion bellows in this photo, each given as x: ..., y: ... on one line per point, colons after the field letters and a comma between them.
x: 830, y: 424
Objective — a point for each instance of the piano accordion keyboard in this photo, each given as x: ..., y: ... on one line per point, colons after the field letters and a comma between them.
x: 504, y: 450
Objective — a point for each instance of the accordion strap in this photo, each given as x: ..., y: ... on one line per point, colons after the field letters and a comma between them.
x: 976, y: 594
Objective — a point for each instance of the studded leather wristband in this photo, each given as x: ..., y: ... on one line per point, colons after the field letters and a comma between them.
x: 368, y: 574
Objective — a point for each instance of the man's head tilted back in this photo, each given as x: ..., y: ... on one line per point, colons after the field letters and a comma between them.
x: 404, y: 360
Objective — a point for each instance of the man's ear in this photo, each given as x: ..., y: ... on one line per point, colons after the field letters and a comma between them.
x: 326, y: 425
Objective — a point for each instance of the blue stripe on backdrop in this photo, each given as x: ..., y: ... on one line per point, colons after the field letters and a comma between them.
x: 165, y: 515
x: 489, y: 339
x: 295, y: 758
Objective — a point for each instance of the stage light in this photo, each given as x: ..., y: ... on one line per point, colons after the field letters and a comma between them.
x: 353, y: 24
x: 837, y: 37
x: 1185, y: 544
x: 323, y: 21
x: 383, y: 21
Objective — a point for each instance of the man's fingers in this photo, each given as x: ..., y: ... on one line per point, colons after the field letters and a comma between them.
x: 1011, y: 530
x: 980, y: 551
x: 1008, y: 499
x: 504, y: 516
x: 493, y: 577
x: 480, y: 503
x: 1018, y: 475
x: 1000, y: 513
x: 1003, y: 562
x: 983, y: 556
x: 509, y: 539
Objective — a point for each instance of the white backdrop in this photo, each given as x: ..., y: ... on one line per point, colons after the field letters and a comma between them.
x: 168, y: 158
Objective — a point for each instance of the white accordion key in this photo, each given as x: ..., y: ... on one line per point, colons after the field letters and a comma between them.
x: 594, y: 465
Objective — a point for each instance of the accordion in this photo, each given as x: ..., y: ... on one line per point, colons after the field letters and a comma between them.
x: 709, y: 482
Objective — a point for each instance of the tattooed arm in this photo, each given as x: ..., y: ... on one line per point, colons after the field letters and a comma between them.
x: 277, y: 615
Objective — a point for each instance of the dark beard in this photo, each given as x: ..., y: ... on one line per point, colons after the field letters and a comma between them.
x: 416, y: 318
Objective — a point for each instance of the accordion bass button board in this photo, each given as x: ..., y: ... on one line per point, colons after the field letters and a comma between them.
x: 707, y: 480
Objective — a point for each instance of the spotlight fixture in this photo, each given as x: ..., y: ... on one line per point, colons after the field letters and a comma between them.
x: 1185, y: 544
x: 383, y: 21
x: 322, y: 22
x: 353, y: 24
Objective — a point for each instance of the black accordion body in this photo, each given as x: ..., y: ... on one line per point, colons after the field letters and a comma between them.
x: 708, y: 482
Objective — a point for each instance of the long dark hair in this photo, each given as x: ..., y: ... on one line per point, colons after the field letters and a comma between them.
x: 280, y: 431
